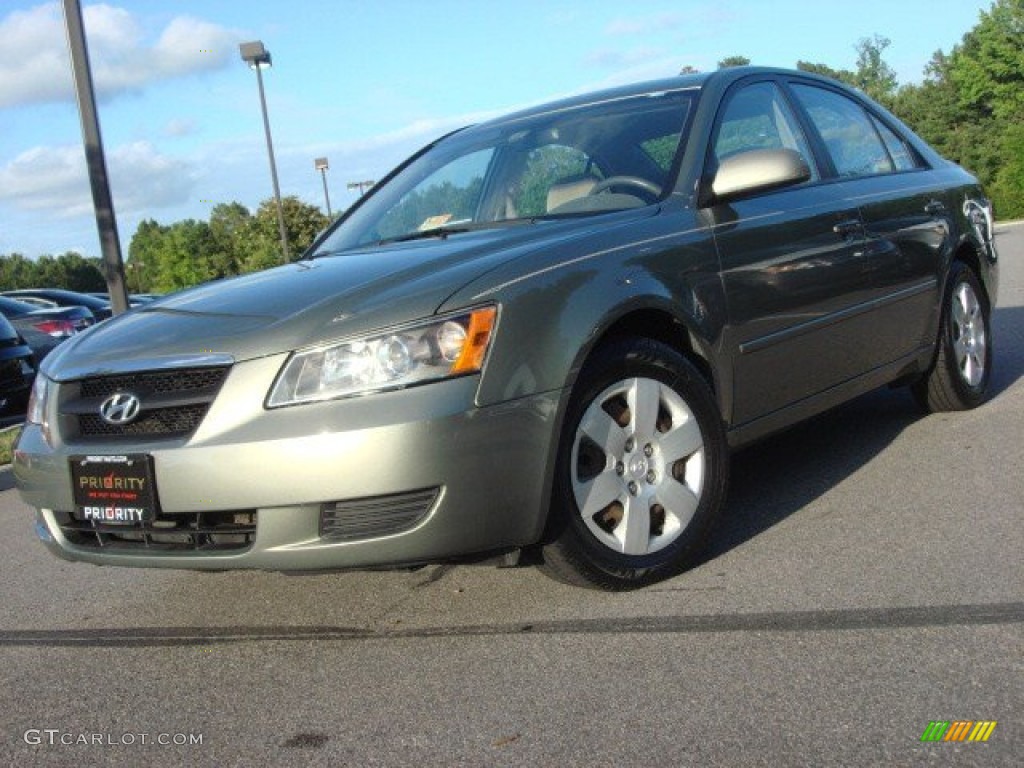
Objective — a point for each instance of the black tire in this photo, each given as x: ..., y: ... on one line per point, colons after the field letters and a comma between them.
x: 645, y: 533
x: 959, y: 376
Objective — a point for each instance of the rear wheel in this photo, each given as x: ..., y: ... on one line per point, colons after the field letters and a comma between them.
x: 958, y: 379
x: 641, y: 469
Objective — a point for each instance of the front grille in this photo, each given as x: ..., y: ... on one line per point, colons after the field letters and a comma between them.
x: 375, y: 516
x: 194, y: 532
x: 174, y: 402
x: 159, y: 423
x: 169, y: 381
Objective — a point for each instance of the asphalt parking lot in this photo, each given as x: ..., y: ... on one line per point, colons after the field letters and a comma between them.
x: 867, y: 582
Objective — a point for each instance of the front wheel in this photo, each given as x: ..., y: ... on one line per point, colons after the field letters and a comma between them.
x: 958, y: 379
x: 641, y: 469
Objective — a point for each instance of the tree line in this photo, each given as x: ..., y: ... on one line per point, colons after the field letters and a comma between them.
x: 167, y: 257
x: 234, y: 241
x: 969, y: 106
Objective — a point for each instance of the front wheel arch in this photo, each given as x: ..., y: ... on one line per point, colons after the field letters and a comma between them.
x: 595, y: 547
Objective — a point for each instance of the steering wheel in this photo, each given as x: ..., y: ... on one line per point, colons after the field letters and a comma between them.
x: 651, y: 190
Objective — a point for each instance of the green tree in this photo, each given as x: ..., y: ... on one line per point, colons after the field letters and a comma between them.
x: 144, y: 255
x: 229, y: 224
x: 842, y: 75
x: 302, y: 222
x: 17, y: 271
x: 873, y: 75
x: 184, y: 256
x: 70, y: 270
x: 969, y: 106
x: 1007, y: 189
x: 988, y: 65
x: 733, y: 61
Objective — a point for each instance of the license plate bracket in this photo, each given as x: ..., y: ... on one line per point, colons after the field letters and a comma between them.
x: 115, y: 489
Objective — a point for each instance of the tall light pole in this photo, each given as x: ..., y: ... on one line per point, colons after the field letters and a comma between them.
x: 257, y: 57
x: 320, y: 164
x: 362, y: 186
x: 102, y: 201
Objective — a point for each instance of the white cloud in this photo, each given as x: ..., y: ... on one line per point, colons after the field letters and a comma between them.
x: 35, y: 65
x: 618, y: 59
x: 643, y: 26
x: 54, y: 179
x: 180, y: 127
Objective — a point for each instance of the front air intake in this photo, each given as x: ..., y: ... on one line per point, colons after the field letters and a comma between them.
x: 375, y: 516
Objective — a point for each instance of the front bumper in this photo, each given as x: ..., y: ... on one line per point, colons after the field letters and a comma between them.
x: 291, y: 466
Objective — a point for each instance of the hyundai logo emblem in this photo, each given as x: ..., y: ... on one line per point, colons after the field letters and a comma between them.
x: 120, y: 408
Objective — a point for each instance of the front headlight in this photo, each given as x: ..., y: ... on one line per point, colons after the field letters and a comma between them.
x: 440, y: 348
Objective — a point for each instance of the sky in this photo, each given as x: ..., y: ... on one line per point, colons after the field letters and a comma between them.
x: 361, y: 82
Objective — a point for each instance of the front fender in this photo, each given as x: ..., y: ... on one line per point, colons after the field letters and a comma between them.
x: 553, y: 312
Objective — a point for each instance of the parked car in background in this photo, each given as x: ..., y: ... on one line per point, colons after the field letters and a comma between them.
x: 17, y: 371
x: 134, y: 299
x: 44, y: 329
x: 543, y: 331
x: 58, y: 297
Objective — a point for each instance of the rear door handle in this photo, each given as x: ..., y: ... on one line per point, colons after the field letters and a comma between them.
x: 847, y: 228
x: 935, y: 208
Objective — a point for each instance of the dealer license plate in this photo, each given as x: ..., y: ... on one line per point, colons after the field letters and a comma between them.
x: 113, y: 490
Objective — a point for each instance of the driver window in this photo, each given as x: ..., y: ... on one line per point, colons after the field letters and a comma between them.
x: 757, y: 117
x: 552, y: 175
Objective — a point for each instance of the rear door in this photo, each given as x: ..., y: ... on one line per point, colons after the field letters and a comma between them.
x: 904, y: 210
x: 793, y: 266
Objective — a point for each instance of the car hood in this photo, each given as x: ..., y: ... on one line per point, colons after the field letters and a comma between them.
x: 308, y: 302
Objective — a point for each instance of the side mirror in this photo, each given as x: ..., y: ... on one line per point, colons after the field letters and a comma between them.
x: 758, y: 171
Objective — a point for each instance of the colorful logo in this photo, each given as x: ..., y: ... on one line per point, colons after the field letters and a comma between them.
x: 958, y: 730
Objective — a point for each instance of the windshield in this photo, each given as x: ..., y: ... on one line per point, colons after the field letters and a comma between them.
x: 588, y: 159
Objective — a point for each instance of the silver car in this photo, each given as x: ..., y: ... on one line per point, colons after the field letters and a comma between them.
x: 546, y: 331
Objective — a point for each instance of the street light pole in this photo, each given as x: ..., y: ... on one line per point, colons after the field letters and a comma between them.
x: 256, y: 55
x: 102, y: 201
x: 320, y: 164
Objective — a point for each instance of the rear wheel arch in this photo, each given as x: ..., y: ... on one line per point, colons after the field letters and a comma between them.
x: 959, y: 374
x: 968, y: 254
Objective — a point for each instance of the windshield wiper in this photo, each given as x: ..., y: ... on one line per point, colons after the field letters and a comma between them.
x: 439, y: 232
x: 455, y: 229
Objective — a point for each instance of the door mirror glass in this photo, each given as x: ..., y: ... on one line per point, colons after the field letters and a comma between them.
x: 758, y: 170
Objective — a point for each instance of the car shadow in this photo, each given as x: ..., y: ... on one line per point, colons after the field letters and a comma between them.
x: 1008, y: 337
x: 781, y: 475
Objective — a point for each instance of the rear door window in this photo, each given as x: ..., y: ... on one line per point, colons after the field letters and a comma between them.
x: 850, y: 137
x: 902, y: 155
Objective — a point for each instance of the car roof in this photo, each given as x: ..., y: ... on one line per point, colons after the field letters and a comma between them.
x: 84, y: 299
x: 607, y: 94
x: 14, y: 308
x: 697, y: 81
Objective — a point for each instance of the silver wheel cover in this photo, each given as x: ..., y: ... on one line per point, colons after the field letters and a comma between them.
x: 637, y: 466
x: 969, y: 338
